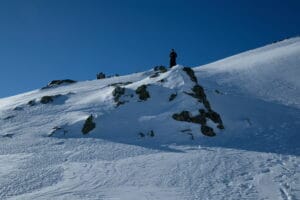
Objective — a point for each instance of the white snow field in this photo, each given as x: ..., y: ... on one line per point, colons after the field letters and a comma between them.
x: 45, y: 155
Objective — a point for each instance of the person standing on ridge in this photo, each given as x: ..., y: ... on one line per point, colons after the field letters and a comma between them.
x: 173, y: 56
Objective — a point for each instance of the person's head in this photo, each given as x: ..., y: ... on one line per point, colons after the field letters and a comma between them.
x: 173, y: 50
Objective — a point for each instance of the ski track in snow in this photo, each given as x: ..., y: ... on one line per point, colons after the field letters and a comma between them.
x: 255, y: 157
x: 200, y: 173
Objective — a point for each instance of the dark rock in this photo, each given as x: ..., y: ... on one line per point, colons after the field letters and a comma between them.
x: 120, y: 103
x: 9, y: 135
x: 183, y: 116
x: 101, y: 75
x: 208, y: 131
x: 161, y: 69
x: 59, y: 82
x: 206, y: 104
x: 199, y: 92
x: 198, y: 119
x: 141, y: 134
x: 46, y: 99
x: 120, y: 84
x: 158, y: 70
x: 190, y: 73
x: 151, y: 133
x: 215, y: 117
x: 218, y: 92
x: 50, y: 99
x: 156, y: 74
x: 220, y: 126
x: 89, y: 125
x: 201, y: 118
x: 31, y: 103
x: 118, y: 92
x: 172, y: 96
x: 142, y: 92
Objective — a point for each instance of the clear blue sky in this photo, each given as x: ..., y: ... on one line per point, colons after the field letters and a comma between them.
x: 42, y: 40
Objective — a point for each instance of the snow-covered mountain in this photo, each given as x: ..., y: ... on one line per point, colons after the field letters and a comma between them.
x: 226, y: 130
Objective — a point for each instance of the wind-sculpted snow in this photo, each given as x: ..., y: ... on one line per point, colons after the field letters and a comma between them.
x: 138, y: 151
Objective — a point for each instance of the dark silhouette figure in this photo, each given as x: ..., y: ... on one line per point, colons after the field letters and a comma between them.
x: 173, y: 56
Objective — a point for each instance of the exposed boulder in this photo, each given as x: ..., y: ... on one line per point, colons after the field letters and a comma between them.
x: 151, y: 133
x: 101, y: 75
x: 142, y: 92
x: 32, y: 103
x: 220, y: 126
x: 190, y: 73
x: 156, y: 74
x: 142, y: 135
x: 57, y: 99
x: 46, y: 99
x: 59, y: 82
x: 218, y: 91
x: 198, y: 119
x: 206, y: 104
x: 172, y: 96
x: 120, y: 84
x: 199, y: 92
x: 208, y: 131
x: 161, y: 69
x: 183, y: 116
x: 117, y: 93
x: 89, y: 125
x: 203, y: 116
x: 187, y: 117
x: 55, y: 83
x: 215, y: 117
x: 158, y: 70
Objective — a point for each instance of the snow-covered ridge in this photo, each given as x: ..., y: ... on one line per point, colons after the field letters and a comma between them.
x: 112, y: 115
x: 270, y: 73
x: 139, y: 150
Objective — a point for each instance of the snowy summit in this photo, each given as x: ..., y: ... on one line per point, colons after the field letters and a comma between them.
x: 226, y: 130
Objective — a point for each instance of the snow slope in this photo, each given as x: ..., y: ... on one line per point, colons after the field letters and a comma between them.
x: 270, y: 73
x: 256, y: 156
